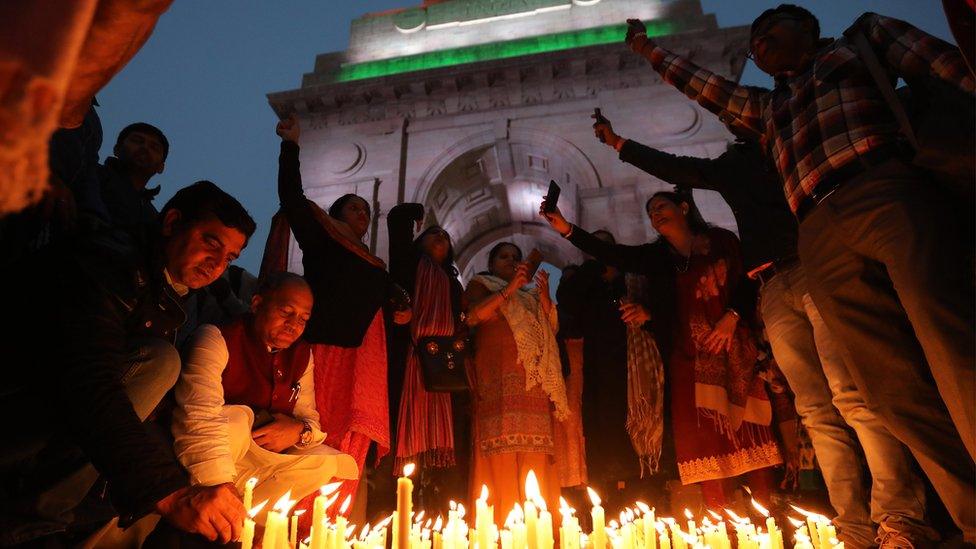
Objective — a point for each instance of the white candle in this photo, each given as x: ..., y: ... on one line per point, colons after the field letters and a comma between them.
x: 249, y: 492
x: 404, y: 508
x: 293, y: 538
x: 247, y: 535
x: 598, y: 538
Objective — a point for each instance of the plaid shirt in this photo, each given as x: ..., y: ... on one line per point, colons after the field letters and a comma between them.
x: 820, y: 120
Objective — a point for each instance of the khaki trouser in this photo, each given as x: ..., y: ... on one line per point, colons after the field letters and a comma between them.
x: 888, y: 264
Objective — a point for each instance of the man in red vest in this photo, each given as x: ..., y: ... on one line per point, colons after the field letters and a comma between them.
x: 256, y: 367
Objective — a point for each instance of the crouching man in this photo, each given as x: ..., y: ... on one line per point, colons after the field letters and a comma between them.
x: 256, y: 367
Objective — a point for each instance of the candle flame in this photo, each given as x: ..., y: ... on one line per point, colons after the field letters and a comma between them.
x: 484, y: 492
x: 623, y: 517
x: 385, y: 522
x: 408, y: 469
x: 298, y: 513
x: 809, y: 514
x: 594, y: 497
x: 688, y: 514
x: 762, y: 510
x: 532, y: 487
x: 660, y: 528
x: 257, y: 509
x: 331, y: 501
x: 460, y: 508
x: 630, y: 515
x: 365, y: 533
x: 251, y: 482
x: 734, y: 516
x: 796, y: 523
x: 282, y: 503
x: 345, y: 505
x: 438, y: 524
x: 350, y: 531
x: 613, y: 524
x: 644, y: 508
x: 419, y: 517
x: 453, y: 505
x: 427, y: 524
x: 329, y: 488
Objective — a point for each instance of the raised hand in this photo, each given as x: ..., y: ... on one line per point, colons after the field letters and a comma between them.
x: 555, y: 219
x: 603, y: 131
x: 214, y: 512
x: 636, y: 37
x: 288, y: 129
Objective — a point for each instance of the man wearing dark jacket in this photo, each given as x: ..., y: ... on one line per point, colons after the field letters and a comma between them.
x: 827, y: 399
x: 88, y: 340
x: 140, y: 154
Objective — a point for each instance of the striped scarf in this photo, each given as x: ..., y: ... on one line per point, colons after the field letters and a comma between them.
x: 645, y: 387
x: 425, y: 425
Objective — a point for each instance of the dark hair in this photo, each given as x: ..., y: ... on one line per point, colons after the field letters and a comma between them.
x: 448, y: 264
x: 204, y: 199
x: 276, y: 280
x: 497, y: 248
x: 696, y: 222
x: 336, y: 208
x: 613, y: 239
x: 143, y: 127
x: 790, y: 9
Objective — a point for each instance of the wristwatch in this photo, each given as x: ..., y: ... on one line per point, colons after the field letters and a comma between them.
x: 305, y: 437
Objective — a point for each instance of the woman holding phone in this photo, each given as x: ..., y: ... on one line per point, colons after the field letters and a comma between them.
x: 701, y: 304
x: 517, y: 383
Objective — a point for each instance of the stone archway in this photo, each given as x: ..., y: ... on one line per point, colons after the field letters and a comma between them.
x: 484, y: 190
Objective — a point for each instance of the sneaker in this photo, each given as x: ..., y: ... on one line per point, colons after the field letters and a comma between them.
x: 898, y: 536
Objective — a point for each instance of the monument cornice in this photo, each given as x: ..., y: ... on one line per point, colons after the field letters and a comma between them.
x: 536, y: 79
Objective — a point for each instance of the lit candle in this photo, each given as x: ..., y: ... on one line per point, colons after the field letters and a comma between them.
x: 531, y: 517
x: 484, y: 519
x: 293, y: 538
x: 318, y: 514
x: 518, y: 527
x: 275, y: 524
x: 247, y: 535
x: 404, y: 508
x: 249, y: 492
x: 662, y: 536
x: 437, y: 540
x: 341, y: 522
x: 599, y: 535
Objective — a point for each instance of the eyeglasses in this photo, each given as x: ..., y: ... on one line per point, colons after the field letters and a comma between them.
x: 763, y: 32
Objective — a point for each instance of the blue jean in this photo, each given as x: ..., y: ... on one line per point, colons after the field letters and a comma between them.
x: 837, y: 418
x: 151, y: 370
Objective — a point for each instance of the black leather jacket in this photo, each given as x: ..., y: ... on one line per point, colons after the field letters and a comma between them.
x: 77, y: 311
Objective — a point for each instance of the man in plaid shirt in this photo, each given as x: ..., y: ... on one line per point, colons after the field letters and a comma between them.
x: 885, y: 255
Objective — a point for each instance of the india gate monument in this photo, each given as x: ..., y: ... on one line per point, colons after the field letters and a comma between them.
x: 471, y: 107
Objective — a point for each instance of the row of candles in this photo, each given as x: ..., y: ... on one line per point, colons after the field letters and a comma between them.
x: 528, y: 526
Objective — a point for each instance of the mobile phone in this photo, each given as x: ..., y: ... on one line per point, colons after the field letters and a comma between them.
x: 534, y: 260
x: 552, y: 197
x: 598, y: 117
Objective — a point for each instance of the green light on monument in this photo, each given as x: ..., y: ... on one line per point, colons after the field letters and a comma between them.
x: 502, y: 50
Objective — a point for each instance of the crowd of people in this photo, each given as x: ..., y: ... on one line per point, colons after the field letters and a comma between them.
x: 150, y: 381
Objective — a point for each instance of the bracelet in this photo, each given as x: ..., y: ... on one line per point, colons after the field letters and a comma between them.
x: 734, y: 313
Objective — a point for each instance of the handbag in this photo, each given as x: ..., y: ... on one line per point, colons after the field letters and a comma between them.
x: 936, y: 119
x: 442, y: 361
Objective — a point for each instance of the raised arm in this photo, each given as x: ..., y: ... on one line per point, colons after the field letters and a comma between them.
x: 296, y: 206
x: 400, y: 222
x: 631, y: 259
x: 914, y: 53
x: 719, y: 95
x: 200, y: 432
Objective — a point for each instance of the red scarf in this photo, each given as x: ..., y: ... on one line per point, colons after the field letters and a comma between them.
x: 425, y: 426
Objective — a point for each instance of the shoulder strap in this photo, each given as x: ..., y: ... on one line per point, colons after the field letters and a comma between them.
x: 867, y: 55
